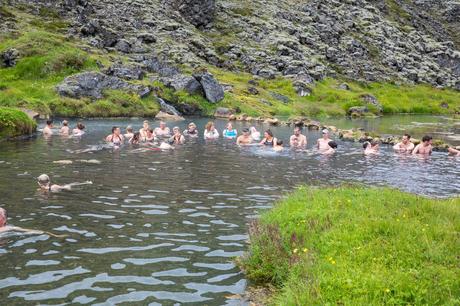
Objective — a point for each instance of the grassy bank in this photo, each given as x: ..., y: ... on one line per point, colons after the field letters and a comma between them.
x: 14, y: 122
x: 357, y: 246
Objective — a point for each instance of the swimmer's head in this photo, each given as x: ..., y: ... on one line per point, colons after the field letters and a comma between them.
x: 246, y: 131
x: 116, y: 130
x: 298, y: 130
x: 3, y: 217
x: 374, y: 143
x: 229, y: 126
x: 136, y: 136
x: 406, y: 138
x: 162, y: 124
x: 209, y: 125
x: 129, y: 129
x: 192, y: 125
x: 176, y: 129
x: 427, y: 139
x: 65, y: 123
x: 279, y: 142
x: 268, y: 133
x: 366, y: 144
x: 332, y: 144
x: 49, y: 122
x: 150, y: 131
x: 43, y: 180
x: 325, y: 132
x: 80, y: 126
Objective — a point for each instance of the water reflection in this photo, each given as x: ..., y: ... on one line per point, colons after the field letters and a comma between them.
x: 163, y: 227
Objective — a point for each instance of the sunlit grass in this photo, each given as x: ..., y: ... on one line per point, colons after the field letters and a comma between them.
x: 358, y: 246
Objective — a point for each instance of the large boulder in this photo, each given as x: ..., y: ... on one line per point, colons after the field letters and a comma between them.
x: 9, y: 57
x: 213, y: 91
x: 198, y: 12
x: 183, y: 82
x: 92, y: 84
x: 126, y: 72
x: 223, y: 112
x: 167, y: 117
x: 167, y: 108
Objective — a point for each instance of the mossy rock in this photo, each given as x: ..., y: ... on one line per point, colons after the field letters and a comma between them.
x: 14, y: 122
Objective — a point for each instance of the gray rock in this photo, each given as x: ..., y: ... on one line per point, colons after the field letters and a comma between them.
x: 198, y: 12
x: 126, y: 72
x: 344, y: 86
x: 370, y: 99
x: 212, y: 89
x: 183, y: 82
x: 148, y: 38
x: 92, y: 84
x: 223, y: 112
x: 302, y: 89
x: 9, y: 57
x: 253, y: 91
x: 280, y: 97
x: 167, y: 108
x: 123, y: 45
x: 357, y: 111
x: 153, y: 64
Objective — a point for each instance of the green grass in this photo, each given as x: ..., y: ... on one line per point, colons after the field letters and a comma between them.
x: 14, y: 122
x: 357, y: 246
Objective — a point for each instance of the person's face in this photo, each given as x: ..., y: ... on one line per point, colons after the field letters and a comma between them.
x: 428, y: 143
x: 212, y: 127
x: 405, y: 140
x: 117, y: 131
x: 325, y: 135
x: 266, y: 135
x: 162, y: 125
x: 146, y: 125
x: 296, y: 132
x: 176, y: 131
x: 229, y: 126
x: 191, y: 127
x: 2, y: 221
x: 246, y: 133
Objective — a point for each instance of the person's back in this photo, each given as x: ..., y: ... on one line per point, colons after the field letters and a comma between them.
x: 65, y: 130
x: 47, y: 130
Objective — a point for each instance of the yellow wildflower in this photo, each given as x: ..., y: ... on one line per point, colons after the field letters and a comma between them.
x: 294, y: 251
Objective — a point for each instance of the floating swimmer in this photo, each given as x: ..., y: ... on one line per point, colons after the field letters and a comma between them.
x: 4, y: 227
x: 298, y: 140
x: 115, y: 138
x: 269, y: 139
x: 255, y: 134
x: 44, y: 183
x: 332, y: 148
x: 129, y: 132
x: 323, y: 143
x: 453, y: 151
x: 162, y: 130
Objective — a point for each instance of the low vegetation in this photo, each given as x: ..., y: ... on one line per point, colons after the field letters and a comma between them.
x: 357, y: 246
x: 14, y: 122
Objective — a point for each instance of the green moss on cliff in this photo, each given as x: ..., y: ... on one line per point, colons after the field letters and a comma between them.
x: 14, y: 122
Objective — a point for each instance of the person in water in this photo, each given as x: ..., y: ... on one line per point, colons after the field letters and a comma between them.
x: 255, y: 134
x: 298, y: 140
x: 162, y: 130
x: 129, y: 132
x: 191, y: 130
x: 453, y: 151
x: 245, y: 138
x: 79, y: 130
x: 44, y: 183
x: 48, y: 129
x: 210, y: 131
x: 115, y: 138
x: 4, y: 227
x: 144, y: 129
x: 278, y: 147
x: 405, y: 145
x: 332, y: 148
x: 150, y: 136
x: 269, y: 139
x: 230, y: 132
x: 177, y: 137
x: 65, y: 130
x: 425, y: 147
x: 323, y: 143
x: 136, y: 139
x: 371, y: 147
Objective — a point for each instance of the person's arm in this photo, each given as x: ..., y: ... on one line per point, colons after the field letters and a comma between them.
x: 317, y: 144
x: 215, y: 133
x: 274, y: 141
x: 291, y: 141
x: 416, y: 149
x: 262, y: 141
x: 411, y: 147
x: 32, y: 231
x: 304, y: 141
x: 238, y: 140
x: 182, y: 139
x: 396, y: 147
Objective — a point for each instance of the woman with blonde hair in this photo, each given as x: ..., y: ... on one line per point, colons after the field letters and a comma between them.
x: 210, y: 131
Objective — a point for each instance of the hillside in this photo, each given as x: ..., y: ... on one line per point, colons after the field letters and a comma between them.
x: 272, y: 57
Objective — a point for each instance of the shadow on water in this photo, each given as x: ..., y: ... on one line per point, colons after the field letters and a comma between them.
x: 164, y: 226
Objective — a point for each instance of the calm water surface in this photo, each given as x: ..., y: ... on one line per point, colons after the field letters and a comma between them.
x: 163, y: 227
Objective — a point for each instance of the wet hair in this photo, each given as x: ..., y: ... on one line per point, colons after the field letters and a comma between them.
x: 176, y: 128
x: 407, y: 135
x: 65, y: 123
x: 279, y: 142
x: 269, y: 132
x: 208, y: 125
x: 129, y: 128
x: 150, y: 130
x: 191, y: 124
x: 136, y: 136
x: 43, y: 179
x: 80, y: 126
x: 426, y: 138
x: 366, y: 144
x: 298, y: 127
x: 114, y: 129
x: 245, y: 130
x: 3, y: 216
x: 332, y: 144
x: 49, y: 122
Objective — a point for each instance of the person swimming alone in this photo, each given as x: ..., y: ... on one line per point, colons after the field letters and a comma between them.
x: 44, y: 183
x: 269, y: 139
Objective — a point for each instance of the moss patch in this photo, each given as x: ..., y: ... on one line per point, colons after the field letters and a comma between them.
x: 14, y: 122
